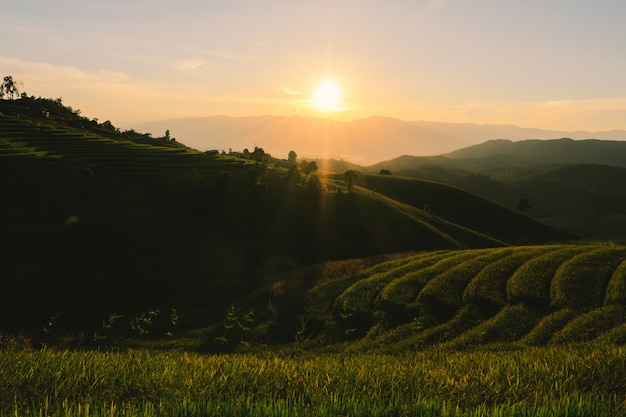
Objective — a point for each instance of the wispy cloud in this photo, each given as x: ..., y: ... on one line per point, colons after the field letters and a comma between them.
x: 288, y: 91
x: 189, y: 64
x: 231, y: 55
x: 50, y: 76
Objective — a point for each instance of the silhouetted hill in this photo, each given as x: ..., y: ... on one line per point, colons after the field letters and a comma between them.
x: 585, y: 198
x: 590, y: 151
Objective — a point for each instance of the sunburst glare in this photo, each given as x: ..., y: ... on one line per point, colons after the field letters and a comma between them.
x: 327, y: 97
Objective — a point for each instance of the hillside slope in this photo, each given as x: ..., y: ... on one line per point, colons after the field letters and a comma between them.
x: 537, y: 295
x: 576, y: 186
x: 589, y: 151
x: 101, y: 221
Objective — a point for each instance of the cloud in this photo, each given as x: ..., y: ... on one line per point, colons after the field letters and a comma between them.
x: 231, y: 55
x: 189, y: 64
x: 45, y: 76
x: 288, y: 91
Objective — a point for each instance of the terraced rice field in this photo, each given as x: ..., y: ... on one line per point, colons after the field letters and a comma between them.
x: 119, y: 156
x: 535, y: 295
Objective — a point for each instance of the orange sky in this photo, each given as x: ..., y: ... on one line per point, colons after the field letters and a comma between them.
x: 548, y: 64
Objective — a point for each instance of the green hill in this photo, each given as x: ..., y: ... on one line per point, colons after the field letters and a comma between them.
x: 576, y: 186
x: 101, y: 223
x: 565, y: 150
x: 530, y: 295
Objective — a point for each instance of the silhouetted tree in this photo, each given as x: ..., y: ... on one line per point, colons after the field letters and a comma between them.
x: 9, y: 87
x: 292, y: 157
x: 385, y: 172
x: 293, y: 177
x: 109, y: 126
x: 350, y: 178
x: 310, y: 167
x: 259, y: 155
x: 315, y: 185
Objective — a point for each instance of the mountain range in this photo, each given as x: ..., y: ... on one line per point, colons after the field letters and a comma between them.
x: 363, y: 141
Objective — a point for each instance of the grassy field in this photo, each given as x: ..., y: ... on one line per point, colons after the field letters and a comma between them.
x: 583, y: 380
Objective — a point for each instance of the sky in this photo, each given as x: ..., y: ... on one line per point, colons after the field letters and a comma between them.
x: 551, y: 64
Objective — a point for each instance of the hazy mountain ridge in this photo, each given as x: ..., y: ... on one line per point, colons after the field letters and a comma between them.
x: 575, y: 185
x: 565, y: 150
x: 363, y: 141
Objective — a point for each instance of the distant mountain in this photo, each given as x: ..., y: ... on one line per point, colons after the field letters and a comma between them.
x: 574, y: 185
x: 566, y: 150
x: 364, y: 141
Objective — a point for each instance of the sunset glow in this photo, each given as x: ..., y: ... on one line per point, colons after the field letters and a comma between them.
x: 435, y: 60
x: 327, y: 97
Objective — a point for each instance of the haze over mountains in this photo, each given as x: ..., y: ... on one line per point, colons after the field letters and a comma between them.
x: 363, y: 141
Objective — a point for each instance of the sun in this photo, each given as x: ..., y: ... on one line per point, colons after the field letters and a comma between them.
x: 327, y: 97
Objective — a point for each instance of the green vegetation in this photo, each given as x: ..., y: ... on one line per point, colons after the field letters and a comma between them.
x: 528, y: 295
x: 582, y: 381
x: 576, y: 186
x: 144, y: 278
x: 105, y: 223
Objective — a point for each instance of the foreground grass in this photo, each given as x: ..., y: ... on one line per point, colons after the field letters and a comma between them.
x: 587, y: 380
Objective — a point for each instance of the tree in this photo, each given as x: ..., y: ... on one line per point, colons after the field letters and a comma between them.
x: 292, y: 157
x: 9, y: 87
x: 385, y: 172
x: 350, y: 178
x: 309, y: 167
x: 259, y: 155
x: 315, y: 185
x: 293, y: 177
